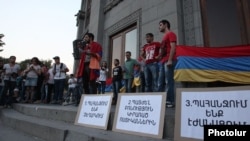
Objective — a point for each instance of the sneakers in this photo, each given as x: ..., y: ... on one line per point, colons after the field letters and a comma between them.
x: 60, y: 102
x: 37, y: 102
x: 114, y: 102
x: 7, y: 106
x: 169, y: 104
x: 18, y: 99
x: 53, y: 102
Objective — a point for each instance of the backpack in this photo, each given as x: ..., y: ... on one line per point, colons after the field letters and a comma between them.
x: 61, y: 66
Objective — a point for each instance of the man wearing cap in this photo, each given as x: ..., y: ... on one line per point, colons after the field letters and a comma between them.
x: 59, y: 71
x: 91, y: 51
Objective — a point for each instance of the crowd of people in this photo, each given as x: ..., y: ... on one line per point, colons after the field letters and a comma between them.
x: 37, y: 83
x: 152, y: 72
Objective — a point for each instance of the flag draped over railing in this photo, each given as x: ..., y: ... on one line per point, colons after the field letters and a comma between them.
x: 209, y: 64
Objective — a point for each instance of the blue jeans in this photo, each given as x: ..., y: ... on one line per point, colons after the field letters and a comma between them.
x: 101, y: 87
x: 128, y: 84
x: 142, y: 76
x: 9, y: 86
x: 116, y: 89
x: 70, y: 91
x: 161, y: 78
x: 151, y: 77
x: 59, y: 89
x: 169, y: 80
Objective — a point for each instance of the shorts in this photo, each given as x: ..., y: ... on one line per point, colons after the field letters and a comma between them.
x: 31, y: 81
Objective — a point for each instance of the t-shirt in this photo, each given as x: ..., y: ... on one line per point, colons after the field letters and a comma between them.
x: 129, y: 68
x: 117, y: 73
x: 50, y: 76
x: 151, y: 51
x: 103, y: 74
x: 167, y: 39
x: 32, y: 73
x: 10, y: 70
x: 58, y: 68
x: 72, y: 82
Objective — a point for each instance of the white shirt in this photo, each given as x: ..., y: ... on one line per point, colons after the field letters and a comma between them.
x: 72, y: 82
x: 9, y: 70
x: 51, y: 76
x: 32, y: 73
x: 103, y: 74
x: 58, y: 69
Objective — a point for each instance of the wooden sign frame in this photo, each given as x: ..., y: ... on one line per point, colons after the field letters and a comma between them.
x: 178, y: 114
x: 94, y: 102
x: 156, y: 99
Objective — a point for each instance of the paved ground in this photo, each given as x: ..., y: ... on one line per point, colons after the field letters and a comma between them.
x: 10, y: 134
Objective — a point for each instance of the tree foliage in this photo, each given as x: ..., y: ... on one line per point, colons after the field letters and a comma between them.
x: 23, y: 64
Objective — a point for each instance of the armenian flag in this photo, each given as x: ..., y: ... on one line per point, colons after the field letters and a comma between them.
x: 209, y: 64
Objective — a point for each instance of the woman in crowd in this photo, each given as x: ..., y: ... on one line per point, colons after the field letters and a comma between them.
x: 32, y: 72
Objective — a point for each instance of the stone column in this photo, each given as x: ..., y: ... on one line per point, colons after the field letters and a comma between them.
x: 80, y: 18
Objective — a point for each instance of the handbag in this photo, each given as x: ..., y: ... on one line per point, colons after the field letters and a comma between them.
x: 137, y: 81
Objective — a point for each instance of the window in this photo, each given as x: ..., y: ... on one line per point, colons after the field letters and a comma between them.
x: 116, y: 48
x: 124, y: 41
x: 131, y: 42
x: 225, y: 22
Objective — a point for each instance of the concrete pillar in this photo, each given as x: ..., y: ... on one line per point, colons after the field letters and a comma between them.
x: 80, y: 24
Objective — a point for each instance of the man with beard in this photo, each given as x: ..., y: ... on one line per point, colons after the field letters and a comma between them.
x: 91, y: 51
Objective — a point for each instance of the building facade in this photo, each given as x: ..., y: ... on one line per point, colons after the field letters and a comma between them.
x: 121, y: 25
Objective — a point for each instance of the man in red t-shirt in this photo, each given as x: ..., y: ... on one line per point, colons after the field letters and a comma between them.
x: 150, y: 55
x: 167, y: 61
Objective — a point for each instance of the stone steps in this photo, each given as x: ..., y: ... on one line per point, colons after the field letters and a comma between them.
x: 56, y: 123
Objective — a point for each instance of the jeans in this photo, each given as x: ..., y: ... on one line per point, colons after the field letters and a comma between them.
x: 101, y: 87
x: 142, y: 76
x: 151, y: 77
x: 116, y: 89
x: 1, y: 88
x: 59, y: 89
x: 161, y: 78
x: 7, y: 92
x: 128, y: 84
x: 23, y: 90
x: 70, y: 91
x: 169, y: 80
x: 51, y: 90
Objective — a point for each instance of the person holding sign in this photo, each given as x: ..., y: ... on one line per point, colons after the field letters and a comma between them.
x: 117, y: 79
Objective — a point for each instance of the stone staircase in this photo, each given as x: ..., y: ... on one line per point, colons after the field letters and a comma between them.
x: 56, y: 123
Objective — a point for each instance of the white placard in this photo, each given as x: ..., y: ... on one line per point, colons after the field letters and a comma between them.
x: 141, y: 114
x: 213, y: 108
x: 94, y: 111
